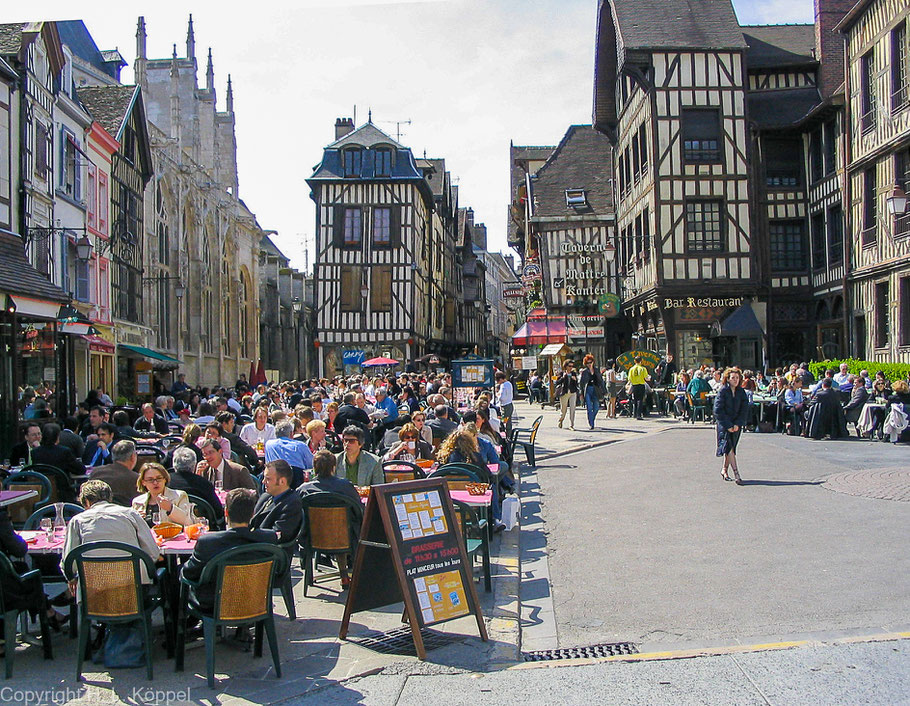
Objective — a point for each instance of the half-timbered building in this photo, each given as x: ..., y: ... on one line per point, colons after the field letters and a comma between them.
x: 373, y: 232
x: 670, y: 90
x: 878, y: 136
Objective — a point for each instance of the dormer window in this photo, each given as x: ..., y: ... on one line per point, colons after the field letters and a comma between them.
x: 576, y: 198
x: 352, y: 161
x: 383, y: 161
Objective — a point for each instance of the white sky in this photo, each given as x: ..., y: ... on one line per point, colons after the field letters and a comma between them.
x: 471, y: 75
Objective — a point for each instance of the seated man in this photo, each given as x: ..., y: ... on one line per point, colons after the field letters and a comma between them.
x: 278, y: 508
x: 227, y: 423
x: 104, y: 521
x: 858, y: 398
x: 826, y: 416
x: 285, y: 446
x: 238, y: 511
x: 358, y: 466
x: 441, y: 425
x: 217, y: 468
x: 98, y: 450
x: 119, y: 474
x: 21, y: 453
x: 184, y: 478
x: 150, y: 422
x: 324, y: 465
x: 386, y: 404
x: 51, y: 452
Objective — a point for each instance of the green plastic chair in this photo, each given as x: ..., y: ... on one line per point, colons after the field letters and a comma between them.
x: 285, y: 585
x: 111, y: 592
x: 33, y: 522
x: 203, y: 508
x: 475, y: 538
x: 517, y: 441
x: 331, y: 524
x: 27, y: 480
x: 243, y: 579
x: 8, y: 574
x: 62, y: 488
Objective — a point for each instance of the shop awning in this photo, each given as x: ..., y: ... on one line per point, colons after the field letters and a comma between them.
x: 149, y: 353
x: 33, y: 293
x: 741, y: 323
x: 97, y: 343
x: 540, y: 333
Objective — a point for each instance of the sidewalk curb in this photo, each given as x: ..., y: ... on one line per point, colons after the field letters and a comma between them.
x: 627, y: 436
x: 713, y: 651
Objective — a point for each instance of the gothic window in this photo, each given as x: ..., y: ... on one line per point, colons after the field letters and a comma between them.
x: 164, y: 289
x: 227, y: 305
x: 242, y: 303
x: 162, y: 227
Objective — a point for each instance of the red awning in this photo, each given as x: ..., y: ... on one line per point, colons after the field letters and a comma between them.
x: 540, y: 333
x: 96, y: 343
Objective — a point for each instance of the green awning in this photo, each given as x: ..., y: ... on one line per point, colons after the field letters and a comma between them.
x: 149, y: 353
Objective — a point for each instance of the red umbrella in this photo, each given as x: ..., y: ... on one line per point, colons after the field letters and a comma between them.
x: 260, y: 374
x: 251, y: 378
x: 374, y: 362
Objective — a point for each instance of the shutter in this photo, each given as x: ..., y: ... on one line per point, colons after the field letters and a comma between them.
x: 62, y: 158
x: 387, y: 288
x: 395, y: 238
x: 90, y: 195
x: 338, y: 226
x: 77, y: 174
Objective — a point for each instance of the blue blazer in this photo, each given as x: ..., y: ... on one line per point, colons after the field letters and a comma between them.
x: 731, y: 409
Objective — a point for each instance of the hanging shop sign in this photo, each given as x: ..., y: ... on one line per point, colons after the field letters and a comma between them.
x: 531, y: 272
x: 610, y: 305
x: 513, y: 291
x: 584, y: 327
x: 525, y: 362
x: 353, y: 357
x: 649, y: 359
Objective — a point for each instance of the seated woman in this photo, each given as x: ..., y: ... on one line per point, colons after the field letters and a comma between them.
x: 174, y: 505
x: 462, y: 446
x: 191, y: 434
x: 419, y: 419
x: 795, y: 406
x: 879, y: 415
x: 410, y: 446
x: 680, y: 405
x: 485, y: 429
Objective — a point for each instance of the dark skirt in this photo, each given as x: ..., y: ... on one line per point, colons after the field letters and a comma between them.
x: 727, y: 441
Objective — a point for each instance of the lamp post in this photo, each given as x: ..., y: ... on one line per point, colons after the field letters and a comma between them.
x: 296, y: 307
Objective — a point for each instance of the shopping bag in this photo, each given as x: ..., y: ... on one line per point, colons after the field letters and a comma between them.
x: 511, y: 511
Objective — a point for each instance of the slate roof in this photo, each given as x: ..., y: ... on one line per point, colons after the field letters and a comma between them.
x: 76, y: 36
x: 268, y: 245
x: 678, y: 24
x: 581, y: 161
x: 7, y: 70
x: 436, y: 180
x: 771, y: 46
x: 11, y: 38
x: 367, y: 135
x: 109, y: 105
x: 18, y: 276
x: 779, y: 109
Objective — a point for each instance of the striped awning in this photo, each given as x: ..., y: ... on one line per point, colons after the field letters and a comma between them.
x: 540, y: 332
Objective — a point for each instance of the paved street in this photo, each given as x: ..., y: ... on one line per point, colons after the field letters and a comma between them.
x: 646, y: 543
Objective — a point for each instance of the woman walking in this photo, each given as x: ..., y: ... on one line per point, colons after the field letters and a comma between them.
x: 731, y: 411
x: 614, y: 385
x: 592, y: 385
x: 567, y: 391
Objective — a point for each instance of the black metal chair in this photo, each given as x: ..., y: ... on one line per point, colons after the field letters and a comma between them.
x: 9, y: 576
x: 242, y: 578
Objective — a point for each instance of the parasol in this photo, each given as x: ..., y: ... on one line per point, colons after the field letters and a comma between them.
x: 376, y: 362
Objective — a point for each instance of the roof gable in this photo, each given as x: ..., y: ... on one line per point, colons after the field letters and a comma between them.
x: 367, y: 135
x: 75, y: 35
x: 771, y: 46
x: 677, y: 24
x: 113, y: 107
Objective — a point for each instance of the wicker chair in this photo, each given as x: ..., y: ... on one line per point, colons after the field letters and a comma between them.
x: 331, y: 525
x: 8, y: 574
x: 398, y: 471
x: 456, y: 476
x: 27, y: 480
x: 112, y: 592
x: 243, y: 579
x: 62, y: 488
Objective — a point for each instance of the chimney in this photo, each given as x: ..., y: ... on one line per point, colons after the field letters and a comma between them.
x: 343, y: 126
x: 829, y: 45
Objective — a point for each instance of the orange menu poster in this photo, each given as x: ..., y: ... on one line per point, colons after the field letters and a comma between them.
x: 441, y: 597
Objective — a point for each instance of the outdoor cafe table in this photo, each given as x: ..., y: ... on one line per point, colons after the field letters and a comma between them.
x: 8, y: 497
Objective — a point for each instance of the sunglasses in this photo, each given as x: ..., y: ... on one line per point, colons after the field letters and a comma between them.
x: 350, y: 441
x: 156, y: 479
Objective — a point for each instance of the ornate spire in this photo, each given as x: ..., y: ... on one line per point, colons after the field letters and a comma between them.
x: 140, y: 39
x: 230, y: 96
x: 174, y: 69
x: 190, y: 40
x: 210, y: 73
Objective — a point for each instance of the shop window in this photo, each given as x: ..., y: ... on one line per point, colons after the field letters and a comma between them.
x: 694, y: 348
x: 882, y: 309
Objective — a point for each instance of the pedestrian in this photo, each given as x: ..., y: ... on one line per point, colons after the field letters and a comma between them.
x: 731, y: 411
x: 638, y: 379
x: 614, y: 385
x: 505, y: 394
x: 567, y: 392
x: 592, y: 385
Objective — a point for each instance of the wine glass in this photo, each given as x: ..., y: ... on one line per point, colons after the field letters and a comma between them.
x: 203, y: 525
x: 156, y: 518
x: 219, y: 485
x: 165, y: 442
x: 47, y: 524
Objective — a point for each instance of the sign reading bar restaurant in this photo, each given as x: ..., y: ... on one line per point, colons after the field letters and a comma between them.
x: 702, y: 302
x: 513, y: 291
x: 410, y: 549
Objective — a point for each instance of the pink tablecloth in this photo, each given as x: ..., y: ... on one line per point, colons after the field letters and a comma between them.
x: 38, y: 544
x: 474, y: 500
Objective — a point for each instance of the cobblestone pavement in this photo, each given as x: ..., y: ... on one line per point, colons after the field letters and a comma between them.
x: 881, y: 484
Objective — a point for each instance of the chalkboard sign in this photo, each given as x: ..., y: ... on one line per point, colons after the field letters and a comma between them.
x: 472, y: 372
x: 411, y: 550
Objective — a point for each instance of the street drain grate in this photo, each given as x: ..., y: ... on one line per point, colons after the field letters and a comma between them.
x: 614, y: 649
x: 400, y: 641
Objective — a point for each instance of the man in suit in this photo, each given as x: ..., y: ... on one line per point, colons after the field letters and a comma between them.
x: 98, y: 450
x: 21, y: 453
x: 349, y: 413
x: 119, y: 474
x: 216, y: 468
x: 53, y: 454
x: 70, y: 438
x: 858, y: 398
x: 238, y: 512
x: 150, y: 422
x: 185, y: 478
x: 227, y: 422
x: 279, y: 508
x: 97, y: 415
x: 441, y: 425
x: 826, y: 416
x: 358, y: 466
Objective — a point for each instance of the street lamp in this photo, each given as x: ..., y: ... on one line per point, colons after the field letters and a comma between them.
x: 897, y: 201
x: 84, y: 249
x: 296, y: 304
